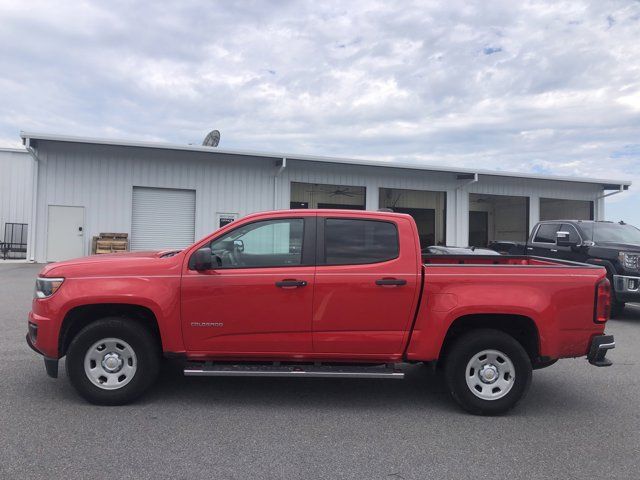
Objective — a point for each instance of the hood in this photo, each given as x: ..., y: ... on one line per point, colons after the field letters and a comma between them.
x: 126, y: 263
x: 623, y: 247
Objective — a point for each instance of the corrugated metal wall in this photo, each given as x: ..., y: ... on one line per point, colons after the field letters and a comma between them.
x: 16, y: 170
x: 101, y: 178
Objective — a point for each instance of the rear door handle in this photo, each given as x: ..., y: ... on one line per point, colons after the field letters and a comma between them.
x: 391, y: 281
x: 291, y: 283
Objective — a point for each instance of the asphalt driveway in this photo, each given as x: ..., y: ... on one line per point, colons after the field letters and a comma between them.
x: 577, y: 422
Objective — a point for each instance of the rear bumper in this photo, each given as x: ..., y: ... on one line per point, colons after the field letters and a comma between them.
x: 598, y: 350
x: 626, y: 288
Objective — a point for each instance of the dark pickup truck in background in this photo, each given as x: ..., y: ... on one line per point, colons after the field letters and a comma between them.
x: 615, y: 246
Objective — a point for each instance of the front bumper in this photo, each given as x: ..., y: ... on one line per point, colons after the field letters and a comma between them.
x: 598, y: 350
x: 626, y: 288
x: 50, y: 364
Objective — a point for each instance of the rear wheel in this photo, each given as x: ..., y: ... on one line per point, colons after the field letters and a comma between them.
x: 487, y: 372
x: 113, y: 361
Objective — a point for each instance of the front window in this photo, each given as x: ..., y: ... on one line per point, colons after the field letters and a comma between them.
x: 573, y: 234
x: 270, y: 243
x: 601, y: 232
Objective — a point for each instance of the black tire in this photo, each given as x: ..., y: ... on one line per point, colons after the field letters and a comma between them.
x: 617, y: 308
x: 467, y: 347
x: 140, y: 340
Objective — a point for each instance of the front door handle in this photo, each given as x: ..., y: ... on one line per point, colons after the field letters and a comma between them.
x: 291, y: 283
x: 391, y: 281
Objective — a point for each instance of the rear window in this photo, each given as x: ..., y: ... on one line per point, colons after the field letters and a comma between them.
x: 349, y: 242
x: 547, y: 233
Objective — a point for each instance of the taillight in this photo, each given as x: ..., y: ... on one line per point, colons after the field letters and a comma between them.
x: 603, y: 302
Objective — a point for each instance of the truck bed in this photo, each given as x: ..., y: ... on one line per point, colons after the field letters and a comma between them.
x: 512, y: 260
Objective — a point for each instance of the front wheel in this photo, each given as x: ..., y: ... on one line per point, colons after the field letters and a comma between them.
x: 113, y: 361
x: 487, y: 372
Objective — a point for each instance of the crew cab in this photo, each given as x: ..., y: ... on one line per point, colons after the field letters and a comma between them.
x: 317, y: 293
x: 615, y: 246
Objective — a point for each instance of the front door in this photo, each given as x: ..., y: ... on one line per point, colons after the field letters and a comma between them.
x: 366, y: 285
x: 258, y: 299
x: 575, y: 254
x: 544, y: 241
x: 65, y: 233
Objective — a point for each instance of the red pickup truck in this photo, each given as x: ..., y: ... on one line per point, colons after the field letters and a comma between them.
x: 317, y: 293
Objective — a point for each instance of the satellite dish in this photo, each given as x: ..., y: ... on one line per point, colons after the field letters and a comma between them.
x: 212, y: 139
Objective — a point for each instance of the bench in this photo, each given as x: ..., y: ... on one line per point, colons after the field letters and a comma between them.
x: 14, y: 244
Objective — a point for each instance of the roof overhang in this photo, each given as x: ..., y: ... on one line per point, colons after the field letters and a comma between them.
x: 31, y: 139
x: 13, y: 150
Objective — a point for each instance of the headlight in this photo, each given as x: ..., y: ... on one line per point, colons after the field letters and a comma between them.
x: 45, y: 287
x: 629, y: 260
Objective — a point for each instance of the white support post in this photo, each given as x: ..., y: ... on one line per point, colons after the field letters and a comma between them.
x: 534, y: 211
x: 599, y: 210
x: 462, y: 218
x: 372, y: 194
x: 450, y: 221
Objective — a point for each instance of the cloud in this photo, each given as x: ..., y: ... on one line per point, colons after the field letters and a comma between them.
x: 491, y: 50
x: 529, y: 86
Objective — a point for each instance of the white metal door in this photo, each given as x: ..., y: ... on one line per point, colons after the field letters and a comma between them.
x: 65, y: 233
x: 162, y: 218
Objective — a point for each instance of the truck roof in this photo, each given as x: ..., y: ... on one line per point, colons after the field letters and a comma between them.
x: 575, y: 221
x: 334, y: 211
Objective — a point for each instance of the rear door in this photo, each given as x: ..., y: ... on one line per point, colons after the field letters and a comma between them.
x: 366, y: 285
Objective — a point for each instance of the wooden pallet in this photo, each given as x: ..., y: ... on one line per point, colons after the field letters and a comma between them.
x: 110, y: 243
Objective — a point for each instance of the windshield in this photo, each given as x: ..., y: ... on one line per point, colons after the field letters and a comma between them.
x: 611, y: 232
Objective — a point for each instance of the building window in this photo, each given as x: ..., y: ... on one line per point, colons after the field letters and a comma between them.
x: 427, y: 208
x: 316, y: 195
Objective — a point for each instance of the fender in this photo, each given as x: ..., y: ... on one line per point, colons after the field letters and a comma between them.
x: 159, y: 294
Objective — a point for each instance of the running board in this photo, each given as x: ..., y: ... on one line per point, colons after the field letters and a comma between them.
x: 209, y: 369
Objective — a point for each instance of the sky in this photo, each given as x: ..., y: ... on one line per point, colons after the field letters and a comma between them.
x: 536, y: 87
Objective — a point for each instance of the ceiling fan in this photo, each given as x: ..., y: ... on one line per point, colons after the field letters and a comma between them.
x: 337, y: 192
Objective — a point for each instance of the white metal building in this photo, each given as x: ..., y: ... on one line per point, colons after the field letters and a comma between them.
x: 16, y: 176
x: 167, y: 196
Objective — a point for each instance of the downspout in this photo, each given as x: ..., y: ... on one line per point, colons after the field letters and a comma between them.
x: 473, y: 180
x: 620, y: 190
x: 34, y: 203
x: 283, y: 165
x: 610, y: 194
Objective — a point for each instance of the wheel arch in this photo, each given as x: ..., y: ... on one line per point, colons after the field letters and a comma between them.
x: 520, y: 327
x: 80, y: 316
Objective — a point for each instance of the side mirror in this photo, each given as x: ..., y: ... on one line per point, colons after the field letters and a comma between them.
x: 562, y: 240
x: 201, y: 260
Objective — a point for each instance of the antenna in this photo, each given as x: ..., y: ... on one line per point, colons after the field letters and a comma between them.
x: 212, y: 139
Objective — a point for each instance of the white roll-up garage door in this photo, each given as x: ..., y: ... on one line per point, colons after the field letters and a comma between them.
x: 162, y: 218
